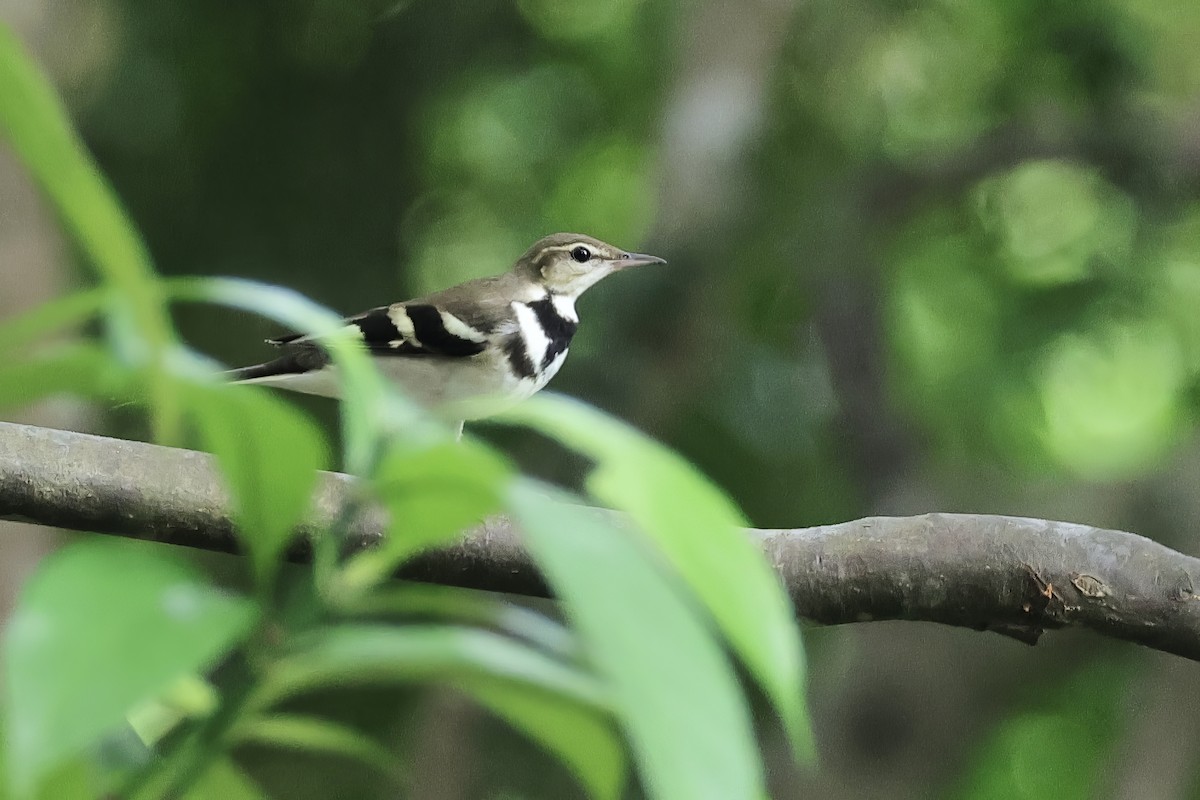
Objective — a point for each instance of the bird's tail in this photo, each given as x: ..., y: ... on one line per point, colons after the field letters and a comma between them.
x: 290, y: 364
x: 301, y: 371
x: 244, y: 374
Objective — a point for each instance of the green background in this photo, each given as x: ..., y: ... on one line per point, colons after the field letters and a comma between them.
x: 923, y: 256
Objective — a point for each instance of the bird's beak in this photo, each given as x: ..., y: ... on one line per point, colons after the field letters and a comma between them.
x: 636, y: 260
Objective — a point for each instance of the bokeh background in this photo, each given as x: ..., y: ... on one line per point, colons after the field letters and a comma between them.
x: 938, y: 255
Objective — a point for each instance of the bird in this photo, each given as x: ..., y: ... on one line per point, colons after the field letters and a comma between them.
x: 470, y: 351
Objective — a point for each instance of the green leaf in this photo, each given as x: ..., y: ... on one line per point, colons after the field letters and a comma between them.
x: 74, y: 779
x: 81, y: 369
x: 35, y: 325
x: 466, y: 607
x: 269, y: 453
x: 34, y: 121
x: 100, y: 627
x: 674, y: 690
x: 370, y: 408
x: 298, y: 732
x: 190, y: 697
x: 700, y: 531
x: 224, y: 780
x: 582, y: 739
x: 552, y: 702
x: 373, y: 654
x: 432, y: 494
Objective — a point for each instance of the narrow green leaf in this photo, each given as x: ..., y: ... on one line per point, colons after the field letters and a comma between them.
x: 225, y: 781
x: 298, y: 732
x: 370, y: 408
x: 74, y: 779
x: 478, y: 609
x: 432, y: 494
x: 34, y: 121
x: 34, y: 326
x: 190, y: 697
x: 269, y: 453
x: 674, y: 691
x: 700, y: 531
x: 81, y: 369
x: 100, y: 627
x: 583, y: 740
x: 372, y: 654
x: 553, y: 703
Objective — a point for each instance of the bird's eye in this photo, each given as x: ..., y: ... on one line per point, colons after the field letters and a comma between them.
x: 581, y: 254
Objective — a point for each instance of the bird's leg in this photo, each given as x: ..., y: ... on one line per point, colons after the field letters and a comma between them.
x: 458, y: 430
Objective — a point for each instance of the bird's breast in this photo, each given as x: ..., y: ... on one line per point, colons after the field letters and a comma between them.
x: 468, y: 388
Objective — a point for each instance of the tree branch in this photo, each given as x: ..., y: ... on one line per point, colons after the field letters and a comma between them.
x: 1012, y: 575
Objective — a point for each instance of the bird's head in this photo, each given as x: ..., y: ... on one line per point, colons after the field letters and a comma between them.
x: 569, y: 263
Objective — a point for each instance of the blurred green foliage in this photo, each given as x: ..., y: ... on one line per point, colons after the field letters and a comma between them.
x: 1026, y: 315
x: 1057, y: 748
x: 105, y: 635
x: 923, y: 255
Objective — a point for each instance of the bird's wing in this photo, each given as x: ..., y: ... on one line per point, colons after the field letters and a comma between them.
x: 455, y: 323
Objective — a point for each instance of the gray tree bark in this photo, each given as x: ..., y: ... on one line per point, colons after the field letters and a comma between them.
x: 1012, y: 575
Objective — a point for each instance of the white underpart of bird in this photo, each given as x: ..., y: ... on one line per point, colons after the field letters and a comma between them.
x: 472, y: 350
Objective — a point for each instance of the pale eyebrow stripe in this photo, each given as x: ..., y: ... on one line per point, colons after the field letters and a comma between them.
x: 565, y: 248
